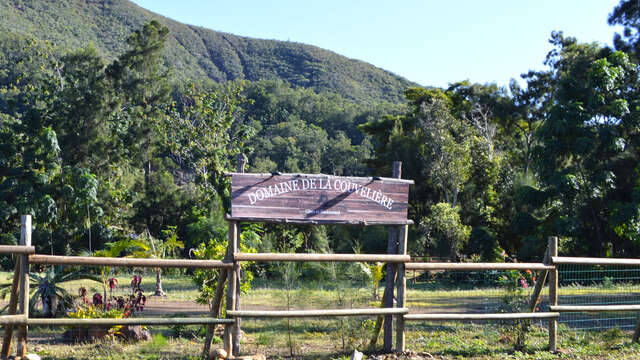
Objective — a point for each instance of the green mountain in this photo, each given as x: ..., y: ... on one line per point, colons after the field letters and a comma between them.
x: 196, y: 53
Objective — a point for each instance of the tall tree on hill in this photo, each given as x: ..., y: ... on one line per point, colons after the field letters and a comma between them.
x: 142, y: 82
x: 82, y: 108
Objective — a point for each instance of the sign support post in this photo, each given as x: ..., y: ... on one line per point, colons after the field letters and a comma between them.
x: 242, y: 160
x: 315, y: 199
x: 392, y: 248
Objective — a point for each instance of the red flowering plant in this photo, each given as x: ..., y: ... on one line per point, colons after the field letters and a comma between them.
x: 113, y: 284
x: 82, y: 293
x: 123, y: 306
x: 135, y: 282
x: 516, y: 300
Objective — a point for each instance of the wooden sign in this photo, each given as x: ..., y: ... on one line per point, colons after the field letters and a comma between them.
x: 323, y: 198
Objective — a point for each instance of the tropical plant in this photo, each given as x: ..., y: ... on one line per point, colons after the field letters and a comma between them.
x: 46, y: 288
x: 158, y: 249
x: 516, y: 299
x: 122, y: 247
x: 375, y: 274
x: 215, y: 249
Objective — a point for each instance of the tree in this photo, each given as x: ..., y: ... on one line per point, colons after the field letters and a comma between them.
x: 81, y: 110
x: 158, y: 249
x: 588, y: 158
x: 203, y: 135
x: 446, y: 147
x: 445, y: 235
x: 139, y: 77
x: 627, y: 14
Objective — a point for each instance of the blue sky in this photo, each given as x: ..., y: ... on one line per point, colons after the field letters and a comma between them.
x: 429, y: 42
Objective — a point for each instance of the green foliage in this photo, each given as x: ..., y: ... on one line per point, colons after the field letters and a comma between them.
x: 517, y: 300
x: 197, y: 53
x: 444, y: 234
x: 298, y: 130
x: 215, y: 249
x: 203, y: 134
x: 586, y: 156
x: 95, y: 312
x: 482, y: 242
x: 375, y: 272
x: 46, y: 288
x: 627, y: 14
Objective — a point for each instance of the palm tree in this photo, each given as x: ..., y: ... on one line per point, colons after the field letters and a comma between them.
x: 122, y: 247
x: 144, y: 246
x: 161, y: 250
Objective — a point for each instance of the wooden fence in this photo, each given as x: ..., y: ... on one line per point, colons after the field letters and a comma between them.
x: 396, y: 259
x: 19, y: 300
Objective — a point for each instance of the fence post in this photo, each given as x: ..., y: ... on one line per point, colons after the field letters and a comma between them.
x: 13, y: 305
x: 553, y: 294
x: 215, y: 308
x: 25, y: 239
x: 241, y: 162
x: 231, y: 287
x: 542, y: 278
x: 401, y: 288
x: 392, y: 248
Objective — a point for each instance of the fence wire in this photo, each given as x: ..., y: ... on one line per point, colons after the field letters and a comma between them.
x: 469, y: 292
x: 598, y: 285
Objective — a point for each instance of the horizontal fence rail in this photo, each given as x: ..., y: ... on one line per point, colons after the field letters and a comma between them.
x: 476, y: 266
x: 127, y: 262
x: 128, y: 321
x: 594, y: 308
x: 13, y: 319
x: 17, y: 249
x: 565, y: 260
x: 321, y: 257
x: 496, y: 316
x: 317, y: 313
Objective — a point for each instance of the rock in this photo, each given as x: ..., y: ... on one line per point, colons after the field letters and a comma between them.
x: 217, y: 354
x: 426, y: 355
x: 219, y: 331
x: 32, y: 357
x: 97, y: 332
x: 250, y: 357
x: 85, y: 333
x: 357, y: 355
x: 135, y: 333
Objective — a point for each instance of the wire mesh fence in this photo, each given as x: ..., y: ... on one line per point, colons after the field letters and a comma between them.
x: 470, y: 292
x: 598, y: 285
x: 494, y: 291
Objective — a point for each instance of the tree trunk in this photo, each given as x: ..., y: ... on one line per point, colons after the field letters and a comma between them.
x: 54, y: 301
x: 89, y: 227
x: 159, y: 291
x: 46, y: 306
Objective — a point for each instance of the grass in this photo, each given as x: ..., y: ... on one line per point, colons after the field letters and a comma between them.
x: 157, y: 348
x: 337, y: 337
x: 321, y: 339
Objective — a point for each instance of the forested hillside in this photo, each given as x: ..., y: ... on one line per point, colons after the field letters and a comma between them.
x: 106, y: 148
x: 196, y: 53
